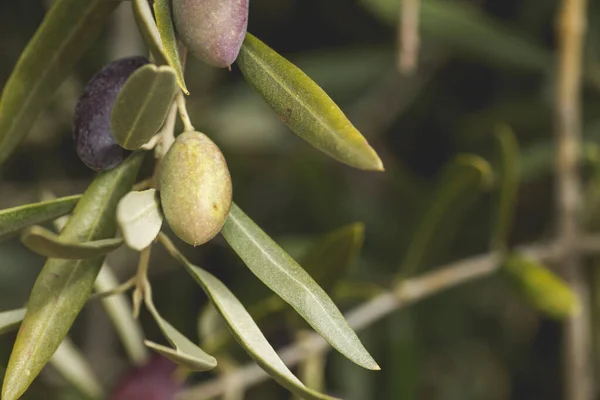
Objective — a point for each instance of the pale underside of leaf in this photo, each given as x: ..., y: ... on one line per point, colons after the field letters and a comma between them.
x: 248, y: 334
x: 75, y: 368
x: 48, y: 244
x: 12, y: 220
x: 10, y: 320
x: 185, y: 352
x: 276, y: 269
x: 139, y: 218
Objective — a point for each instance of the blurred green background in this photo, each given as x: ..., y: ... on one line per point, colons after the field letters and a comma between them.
x: 482, y: 63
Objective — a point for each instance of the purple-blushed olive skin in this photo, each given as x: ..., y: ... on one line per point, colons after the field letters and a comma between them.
x: 195, y: 188
x: 213, y: 30
x: 94, y: 141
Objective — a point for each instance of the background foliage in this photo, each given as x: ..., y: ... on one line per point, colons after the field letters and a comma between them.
x: 483, y: 63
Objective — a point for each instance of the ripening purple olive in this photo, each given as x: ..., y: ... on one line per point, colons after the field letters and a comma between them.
x: 94, y: 141
x: 213, y: 30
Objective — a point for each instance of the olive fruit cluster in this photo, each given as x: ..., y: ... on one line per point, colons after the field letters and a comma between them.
x: 194, y: 181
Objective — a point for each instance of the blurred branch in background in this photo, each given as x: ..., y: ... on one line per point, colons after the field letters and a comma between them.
x: 577, y: 345
x: 404, y: 294
x: 409, y: 36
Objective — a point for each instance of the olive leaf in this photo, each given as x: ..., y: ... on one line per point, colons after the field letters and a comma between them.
x: 158, y: 36
x: 143, y: 105
x: 67, y: 31
x: 69, y: 361
x: 460, y: 26
x: 10, y: 320
x: 276, y: 269
x: 166, y: 29
x: 46, y: 243
x: 243, y: 327
x: 304, y: 106
x: 63, y: 286
x: 506, y: 197
x: 540, y: 287
x: 459, y: 184
x: 139, y: 218
x: 145, y: 21
x: 12, y: 220
x: 185, y: 353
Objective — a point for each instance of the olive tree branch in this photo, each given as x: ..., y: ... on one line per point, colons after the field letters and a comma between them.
x: 577, y: 346
x: 402, y: 295
x: 408, y: 33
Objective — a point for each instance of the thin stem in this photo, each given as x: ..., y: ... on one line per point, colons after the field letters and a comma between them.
x: 141, y: 281
x: 122, y: 288
x: 577, y: 344
x: 167, y: 133
x: 183, y: 113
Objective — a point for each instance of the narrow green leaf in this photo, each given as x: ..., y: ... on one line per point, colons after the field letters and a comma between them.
x: 244, y: 329
x: 46, y: 243
x: 460, y: 26
x: 67, y: 31
x: 12, y: 220
x: 63, y: 286
x: 67, y: 359
x: 145, y: 21
x: 143, y: 105
x: 139, y: 218
x: 75, y: 368
x: 304, y: 106
x: 10, y: 320
x: 276, y: 269
x: 460, y: 182
x: 166, y: 29
x: 160, y: 35
x: 540, y: 287
x: 185, y: 353
x: 509, y: 175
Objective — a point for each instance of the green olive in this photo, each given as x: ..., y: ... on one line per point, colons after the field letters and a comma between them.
x: 195, y: 188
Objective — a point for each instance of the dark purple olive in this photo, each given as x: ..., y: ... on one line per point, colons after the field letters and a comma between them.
x: 213, y: 30
x: 94, y: 141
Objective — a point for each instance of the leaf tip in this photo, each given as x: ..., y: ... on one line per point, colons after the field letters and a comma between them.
x: 378, y: 165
